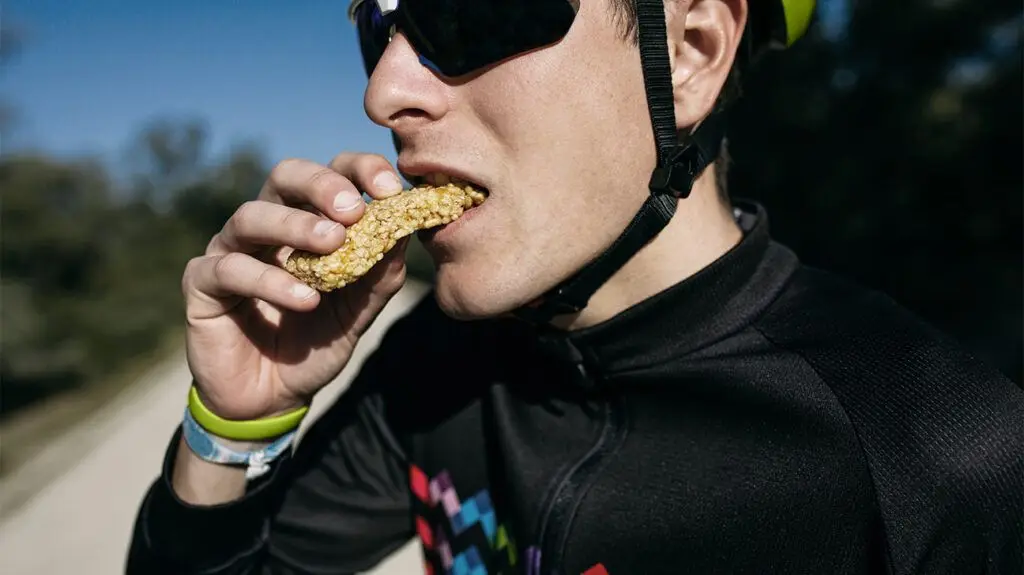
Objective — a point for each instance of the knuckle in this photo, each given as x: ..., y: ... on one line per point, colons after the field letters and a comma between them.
x: 279, y: 173
x: 210, y: 245
x: 361, y: 163
x: 365, y: 164
x: 227, y: 266
x: 188, y: 275
x: 263, y: 278
x: 244, y: 213
x: 190, y: 266
x: 340, y: 161
x: 295, y: 221
x: 238, y: 217
x: 324, y: 180
x: 244, y: 217
x: 195, y: 278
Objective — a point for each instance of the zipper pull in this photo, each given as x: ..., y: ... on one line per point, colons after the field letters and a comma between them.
x: 560, y: 347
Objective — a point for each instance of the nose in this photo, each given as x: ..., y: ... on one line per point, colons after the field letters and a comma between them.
x: 402, y: 93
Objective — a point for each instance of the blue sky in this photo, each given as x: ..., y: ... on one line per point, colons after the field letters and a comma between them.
x: 286, y: 75
x: 92, y: 72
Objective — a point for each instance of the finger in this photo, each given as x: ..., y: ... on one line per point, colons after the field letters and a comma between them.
x: 212, y: 285
x: 309, y: 208
x: 275, y: 256
x: 258, y: 224
x: 302, y: 182
x: 371, y: 173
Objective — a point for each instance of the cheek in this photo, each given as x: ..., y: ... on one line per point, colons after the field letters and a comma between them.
x: 567, y: 132
x: 573, y: 132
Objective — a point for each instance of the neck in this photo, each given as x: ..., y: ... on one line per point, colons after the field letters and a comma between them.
x: 700, y: 232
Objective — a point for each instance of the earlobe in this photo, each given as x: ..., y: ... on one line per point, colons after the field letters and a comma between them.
x: 703, y: 36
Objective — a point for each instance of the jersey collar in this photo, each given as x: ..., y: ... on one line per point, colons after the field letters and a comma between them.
x: 720, y: 300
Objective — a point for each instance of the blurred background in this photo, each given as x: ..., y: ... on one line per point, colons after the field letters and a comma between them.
x: 887, y: 146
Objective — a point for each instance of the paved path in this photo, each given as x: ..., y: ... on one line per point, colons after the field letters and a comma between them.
x: 87, y: 485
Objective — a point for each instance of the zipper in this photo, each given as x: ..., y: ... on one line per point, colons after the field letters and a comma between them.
x: 563, y: 504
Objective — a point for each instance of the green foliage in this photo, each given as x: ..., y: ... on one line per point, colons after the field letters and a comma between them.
x: 92, y: 271
x: 51, y: 245
x: 91, y: 274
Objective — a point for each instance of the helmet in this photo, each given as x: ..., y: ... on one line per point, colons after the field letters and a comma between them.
x: 774, y: 24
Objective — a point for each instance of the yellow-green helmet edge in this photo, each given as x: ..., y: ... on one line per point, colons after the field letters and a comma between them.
x: 798, y: 15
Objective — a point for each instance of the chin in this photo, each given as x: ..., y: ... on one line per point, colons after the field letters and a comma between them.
x: 466, y: 297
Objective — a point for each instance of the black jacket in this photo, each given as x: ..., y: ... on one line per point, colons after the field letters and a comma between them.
x: 759, y: 417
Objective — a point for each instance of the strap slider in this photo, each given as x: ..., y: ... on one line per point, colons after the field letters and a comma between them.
x: 554, y: 303
x: 676, y: 178
x: 558, y: 301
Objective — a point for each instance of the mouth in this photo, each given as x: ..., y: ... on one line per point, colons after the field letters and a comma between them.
x: 442, y: 179
x: 439, y: 178
x: 420, y: 171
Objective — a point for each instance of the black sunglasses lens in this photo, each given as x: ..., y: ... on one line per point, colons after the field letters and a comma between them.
x: 373, y: 29
x: 463, y: 36
x: 427, y: 63
x: 456, y: 37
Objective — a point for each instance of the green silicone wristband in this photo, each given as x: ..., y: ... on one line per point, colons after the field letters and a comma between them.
x: 244, y: 430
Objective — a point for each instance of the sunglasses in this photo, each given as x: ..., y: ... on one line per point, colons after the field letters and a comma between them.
x: 458, y: 37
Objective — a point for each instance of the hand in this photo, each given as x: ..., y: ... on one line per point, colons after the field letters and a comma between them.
x: 258, y: 341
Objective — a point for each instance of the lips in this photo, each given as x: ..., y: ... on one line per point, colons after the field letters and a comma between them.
x: 421, y: 172
x: 440, y: 179
x: 438, y: 176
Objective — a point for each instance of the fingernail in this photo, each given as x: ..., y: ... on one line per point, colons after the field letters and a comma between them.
x: 346, y: 201
x: 387, y: 182
x: 302, y: 291
x: 325, y: 227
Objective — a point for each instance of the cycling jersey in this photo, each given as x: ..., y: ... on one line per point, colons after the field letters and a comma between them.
x: 760, y: 417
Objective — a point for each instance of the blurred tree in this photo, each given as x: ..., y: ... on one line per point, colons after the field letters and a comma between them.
x: 53, y: 216
x: 206, y: 204
x: 91, y: 273
x: 166, y: 155
x: 11, y: 41
x: 892, y: 155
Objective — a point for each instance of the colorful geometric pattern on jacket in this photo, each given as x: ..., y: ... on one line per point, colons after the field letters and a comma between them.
x: 459, y: 537
x: 463, y: 536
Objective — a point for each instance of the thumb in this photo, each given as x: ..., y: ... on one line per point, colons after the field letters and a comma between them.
x: 394, y: 260
x: 364, y: 299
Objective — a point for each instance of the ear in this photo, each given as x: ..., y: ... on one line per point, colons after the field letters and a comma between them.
x: 703, y: 36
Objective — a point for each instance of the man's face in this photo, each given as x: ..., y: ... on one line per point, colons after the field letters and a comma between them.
x: 560, y: 137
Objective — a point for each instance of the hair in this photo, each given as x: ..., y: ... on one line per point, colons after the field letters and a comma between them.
x: 626, y: 16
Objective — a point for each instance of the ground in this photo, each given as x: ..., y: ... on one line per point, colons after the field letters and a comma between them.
x: 70, y: 508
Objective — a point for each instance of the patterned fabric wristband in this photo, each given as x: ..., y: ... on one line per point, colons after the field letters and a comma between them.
x: 206, y: 446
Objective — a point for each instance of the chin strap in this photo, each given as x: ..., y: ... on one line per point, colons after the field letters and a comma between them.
x: 672, y: 179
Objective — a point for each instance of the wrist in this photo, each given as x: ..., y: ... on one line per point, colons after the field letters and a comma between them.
x: 242, y: 446
x: 254, y: 456
x: 231, y: 411
x: 253, y: 430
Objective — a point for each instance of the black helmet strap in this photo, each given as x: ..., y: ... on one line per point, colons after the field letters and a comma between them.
x: 678, y: 166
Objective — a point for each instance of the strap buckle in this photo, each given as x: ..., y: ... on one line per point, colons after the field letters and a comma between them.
x: 559, y: 304
x: 552, y: 304
x: 676, y: 178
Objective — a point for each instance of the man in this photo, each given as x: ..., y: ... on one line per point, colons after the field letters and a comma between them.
x: 617, y: 372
